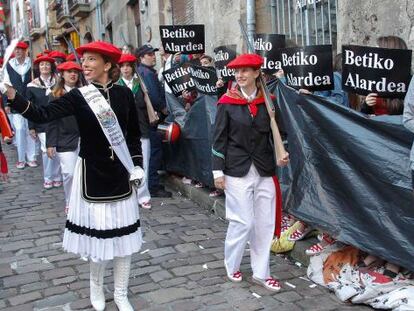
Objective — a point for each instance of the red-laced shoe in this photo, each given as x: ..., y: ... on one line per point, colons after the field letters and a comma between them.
x: 48, y: 185
x: 20, y: 165
x: 57, y: 184
x: 319, y: 247
x: 146, y: 205
x: 32, y: 164
x: 315, y: 249
x: 299, y: 235
x: 270, y: 283
x: 235, y: 277
x: 287, y: 220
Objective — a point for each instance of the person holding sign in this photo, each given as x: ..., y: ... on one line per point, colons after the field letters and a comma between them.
x: 103, y: 219
x: 243, y: 165
x: 373, y: 103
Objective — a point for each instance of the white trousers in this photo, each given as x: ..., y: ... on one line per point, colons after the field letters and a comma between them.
x: 51, y: 167
x: 250, y: 210
x: 67, y: 162
x: 26, y: 145
x: 143, y: 192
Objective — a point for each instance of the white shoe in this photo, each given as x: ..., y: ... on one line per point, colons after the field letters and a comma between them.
x: 96, y: 283
x: 20, y: 165
x: 235, y: 277
x: 145, y: 205
x: 270, y: 283
x: 32, y: 164
x: 122, y: 266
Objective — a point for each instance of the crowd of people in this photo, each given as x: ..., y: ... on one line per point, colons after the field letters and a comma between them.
x: 52, y: 114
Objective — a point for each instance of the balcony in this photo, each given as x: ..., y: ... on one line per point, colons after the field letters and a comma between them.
x: 79, y: 8
x: 36, y: 31
x: 62, y: 13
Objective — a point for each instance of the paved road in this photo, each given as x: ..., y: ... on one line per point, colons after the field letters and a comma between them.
x: 180, y: 266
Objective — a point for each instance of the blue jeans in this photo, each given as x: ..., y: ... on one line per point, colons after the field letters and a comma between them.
x: 155, y: 160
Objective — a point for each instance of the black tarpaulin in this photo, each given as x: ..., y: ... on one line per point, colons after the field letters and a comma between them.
x: 191, y: 154
x: 350, y: 174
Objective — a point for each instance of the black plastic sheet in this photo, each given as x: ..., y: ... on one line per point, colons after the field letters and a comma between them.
x: 349, y: 174
x: 191, y: 154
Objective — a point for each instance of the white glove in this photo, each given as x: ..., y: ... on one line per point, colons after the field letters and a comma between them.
x: 137, y: 176
x: 3, y: 88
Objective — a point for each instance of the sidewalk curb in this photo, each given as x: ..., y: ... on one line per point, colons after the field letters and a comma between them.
x: 216, y: 206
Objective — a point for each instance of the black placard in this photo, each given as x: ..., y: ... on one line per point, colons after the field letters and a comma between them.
x: 268, y: 46
x: 375, y: 70
x: 222, y: 56
x: 179, y: 80
x: 308, y: 67
x: 186, y: 39
x: 204, y: 78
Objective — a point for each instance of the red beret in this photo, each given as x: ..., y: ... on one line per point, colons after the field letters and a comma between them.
x: 39, y: 55
x: 46, y: 51
x: 71, y: 57
x: 44, y: 58
x: 22, y: 45
x: 127, y: 58
x: 103, y: 48
x: 246, y: 60
x: 69, y: 66
x: 57, y: 54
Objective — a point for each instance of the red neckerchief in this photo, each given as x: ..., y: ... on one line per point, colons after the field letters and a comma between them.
x: 235, y: 97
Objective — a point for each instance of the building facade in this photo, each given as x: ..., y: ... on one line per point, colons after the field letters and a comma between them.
x: 304, y: 22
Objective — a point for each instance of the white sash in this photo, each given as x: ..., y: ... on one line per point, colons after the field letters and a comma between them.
x: 109, y: 124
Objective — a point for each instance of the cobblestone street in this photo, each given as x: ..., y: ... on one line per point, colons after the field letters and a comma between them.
x: 180, y: 266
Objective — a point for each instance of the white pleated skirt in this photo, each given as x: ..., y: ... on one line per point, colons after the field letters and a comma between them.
x: 101, y: 231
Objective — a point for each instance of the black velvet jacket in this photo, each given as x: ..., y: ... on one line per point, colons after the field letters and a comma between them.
x: 36, y: 93
x: 240, y: 138
x: 104, y: 178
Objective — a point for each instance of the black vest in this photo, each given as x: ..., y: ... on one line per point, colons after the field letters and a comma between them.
x: 17, y: 82
x: 16, y: 79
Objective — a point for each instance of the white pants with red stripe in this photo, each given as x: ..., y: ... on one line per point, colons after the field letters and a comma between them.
x: 250, y: 210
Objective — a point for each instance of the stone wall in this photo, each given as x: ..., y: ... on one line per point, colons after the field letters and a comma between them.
x: 362, y: 22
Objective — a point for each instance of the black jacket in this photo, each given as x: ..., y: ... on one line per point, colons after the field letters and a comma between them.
x: 241, y: 139
x: 104, y: 178
x: 141, y: 107
x: 63, y: 133
x: 36, y: 93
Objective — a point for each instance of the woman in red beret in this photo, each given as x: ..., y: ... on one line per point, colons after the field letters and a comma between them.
x: 129, y: 78
x: 103, y: 219
x: 243, y: 165
x: 62, y: 135
x: 58, y: 56
x: 38, y: 92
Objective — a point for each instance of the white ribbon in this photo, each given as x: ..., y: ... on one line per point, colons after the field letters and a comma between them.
x: 110, y: 126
